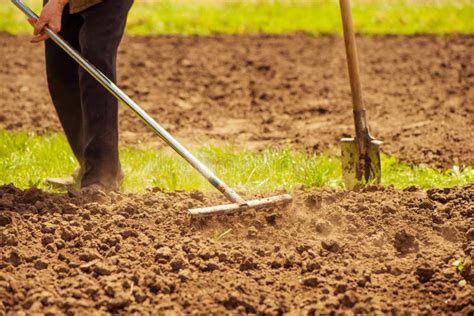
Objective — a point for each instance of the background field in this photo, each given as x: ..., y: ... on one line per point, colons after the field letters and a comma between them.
x: 204, y: 17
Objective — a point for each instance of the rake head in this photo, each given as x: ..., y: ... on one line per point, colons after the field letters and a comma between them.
x: 278, y: 200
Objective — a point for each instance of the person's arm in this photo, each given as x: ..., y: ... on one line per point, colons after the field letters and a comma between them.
x: 50, y: 15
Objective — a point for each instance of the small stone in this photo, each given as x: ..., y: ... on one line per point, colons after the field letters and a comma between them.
x: 40, y: 265
x: 310, y: 281
x: 331, y: 245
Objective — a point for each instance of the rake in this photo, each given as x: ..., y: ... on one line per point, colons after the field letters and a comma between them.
x: 238, y: 203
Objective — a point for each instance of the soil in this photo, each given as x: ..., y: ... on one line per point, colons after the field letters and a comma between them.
x: 381, y: 250
x: 261, y: 90
x: 377, y: 251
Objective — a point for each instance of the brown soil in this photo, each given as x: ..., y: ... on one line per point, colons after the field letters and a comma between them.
x: 377, y: 251
x: 266, y: 89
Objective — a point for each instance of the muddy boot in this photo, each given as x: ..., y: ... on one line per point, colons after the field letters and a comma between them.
x: 66, y: 182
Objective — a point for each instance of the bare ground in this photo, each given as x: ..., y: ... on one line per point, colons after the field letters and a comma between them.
x: 377, y: 251
x: 260, y: 90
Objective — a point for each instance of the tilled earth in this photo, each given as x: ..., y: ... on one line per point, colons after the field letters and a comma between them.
x: 260, y: 90
x: 378, y: 251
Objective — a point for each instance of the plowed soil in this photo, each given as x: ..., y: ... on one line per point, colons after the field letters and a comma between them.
x: 260, y: 90
x: 377, y: 251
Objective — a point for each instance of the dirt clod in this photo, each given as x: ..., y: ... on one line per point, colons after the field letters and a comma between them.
x: 163, y: 255
x: 271, y: 218
x: 41, y: 265
x: 5, y: 220
x: 405, y: 242
x: 323, y: 226
x: 331, y: 245
x: 47, y: 239
x: 470, y: 234
x: 424, y: 273
x: 102, y: 269
x: 310, y: 281
x: 47, y: 228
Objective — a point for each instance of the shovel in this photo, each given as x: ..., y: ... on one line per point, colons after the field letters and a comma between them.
x: 360, y: 155
x: 237, y: 202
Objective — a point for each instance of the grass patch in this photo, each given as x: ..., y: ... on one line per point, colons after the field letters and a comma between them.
x: 280, y: 16
x: 26, y: 160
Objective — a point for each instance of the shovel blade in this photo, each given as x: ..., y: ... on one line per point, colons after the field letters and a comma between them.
x: 359, y: 172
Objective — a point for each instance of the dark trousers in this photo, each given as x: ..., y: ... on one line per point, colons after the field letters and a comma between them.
x: 86, y: 110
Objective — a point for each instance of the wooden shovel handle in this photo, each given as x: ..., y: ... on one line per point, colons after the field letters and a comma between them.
x: 353, y: 66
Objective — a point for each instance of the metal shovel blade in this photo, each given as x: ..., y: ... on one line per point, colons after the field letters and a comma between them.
x: 359, y: 171
x: 231, y: 208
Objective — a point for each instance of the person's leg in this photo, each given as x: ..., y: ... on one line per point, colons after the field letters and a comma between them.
x: 63, y: 82
x: 99, y: 39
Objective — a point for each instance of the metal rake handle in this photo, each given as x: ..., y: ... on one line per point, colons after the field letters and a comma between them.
x: 120, y: 95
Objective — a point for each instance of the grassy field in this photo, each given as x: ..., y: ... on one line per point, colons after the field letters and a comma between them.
x: 26, y: 160
x: 315, y: 16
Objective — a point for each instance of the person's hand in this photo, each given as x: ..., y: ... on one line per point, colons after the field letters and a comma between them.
x: 50, y: 15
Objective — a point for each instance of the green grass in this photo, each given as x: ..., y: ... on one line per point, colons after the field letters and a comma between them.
x: 26, y: 160
x: 315, y: 16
